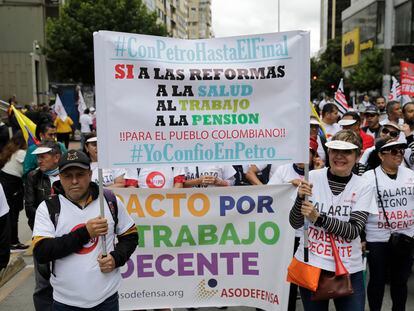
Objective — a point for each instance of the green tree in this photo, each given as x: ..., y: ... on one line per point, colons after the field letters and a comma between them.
x: 70, y: 37
x: 326, y: 69
x: 367, y: 75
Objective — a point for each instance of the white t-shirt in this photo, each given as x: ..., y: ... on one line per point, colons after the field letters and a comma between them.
x: 224, y: 172
x: 386, y: 120
x: 52, y: 179
x: 85, y: 121
x: 108, y: 174
x: 284, y: 174
x: 331, y: 130
x: 358, y: 195
x: 151, y: 177
x: 78, y: 280
x: 15, y: 165
x: 398, y: 200
x: 4, y: 207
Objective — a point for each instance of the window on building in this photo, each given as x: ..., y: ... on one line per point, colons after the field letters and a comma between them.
x: 403, y: 23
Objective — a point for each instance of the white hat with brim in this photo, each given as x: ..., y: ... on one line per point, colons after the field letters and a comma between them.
x: 340, y: 145
x: 346, y: 122
x: 397, y: 127
x: 393, y: 144
x: 92, y: 109
x: 41, y: 150
x: 92, y: 140
x: 314, y: 122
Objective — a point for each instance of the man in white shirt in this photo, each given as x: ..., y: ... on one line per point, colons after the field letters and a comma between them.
x: 85, y: 122
x: 82, y: 277
x: 330, y: 116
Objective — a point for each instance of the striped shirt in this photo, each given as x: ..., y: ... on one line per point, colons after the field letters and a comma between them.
x: 350, y: 229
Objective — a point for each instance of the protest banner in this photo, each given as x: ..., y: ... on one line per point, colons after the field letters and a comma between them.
x: 209, y: 247
x: 407, y: 78
x: 225, y: 100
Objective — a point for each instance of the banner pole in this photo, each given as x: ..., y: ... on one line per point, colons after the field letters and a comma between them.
x: 102, y: 211
x: 306, y: 223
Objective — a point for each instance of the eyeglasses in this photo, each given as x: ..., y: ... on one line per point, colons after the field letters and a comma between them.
x: 395, y: 151
x: 393, y: 134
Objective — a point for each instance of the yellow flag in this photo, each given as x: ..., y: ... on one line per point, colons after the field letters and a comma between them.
x: 27, y: 126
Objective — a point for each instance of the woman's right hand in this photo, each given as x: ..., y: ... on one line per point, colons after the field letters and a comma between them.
x: 305, y: 188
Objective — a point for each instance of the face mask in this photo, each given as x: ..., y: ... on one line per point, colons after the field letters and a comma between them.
x: 52, y: 172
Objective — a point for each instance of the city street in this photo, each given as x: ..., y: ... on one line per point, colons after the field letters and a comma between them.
x: 16, y: 295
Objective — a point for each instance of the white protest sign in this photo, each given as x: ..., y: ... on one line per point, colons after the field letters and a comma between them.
x: 209, y: 247
x: 225, y: 100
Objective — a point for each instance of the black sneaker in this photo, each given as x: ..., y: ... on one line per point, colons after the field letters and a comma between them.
x: 19, y: 247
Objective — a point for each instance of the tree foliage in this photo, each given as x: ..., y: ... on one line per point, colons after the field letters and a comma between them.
x: 326, y: 69
x: 70, y: 37
x: 367, y: 75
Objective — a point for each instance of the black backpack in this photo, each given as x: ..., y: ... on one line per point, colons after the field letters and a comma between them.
x: 53, y: 207
x: 264, y: 174
x: 240, y: 176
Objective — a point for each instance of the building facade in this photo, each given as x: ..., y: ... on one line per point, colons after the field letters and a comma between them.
x: 368, y: 16
x: 185, y: 19
x: 199, y: 19
x: 23, y: 70
x: 331, y: 22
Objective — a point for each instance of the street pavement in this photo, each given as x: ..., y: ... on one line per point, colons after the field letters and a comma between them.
x: 16, y: 295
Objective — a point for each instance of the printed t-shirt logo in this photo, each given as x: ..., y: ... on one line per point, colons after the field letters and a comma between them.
x: 155, y: 180
x: 88, y: 247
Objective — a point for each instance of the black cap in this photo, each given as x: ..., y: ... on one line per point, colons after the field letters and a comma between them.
x: 74, y: 158
x: 372, y: 109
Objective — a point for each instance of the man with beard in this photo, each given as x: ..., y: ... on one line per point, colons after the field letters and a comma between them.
x: 381, y: 105
x: 372, y: 117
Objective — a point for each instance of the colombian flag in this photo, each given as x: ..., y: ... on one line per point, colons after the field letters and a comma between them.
x: 27, y: 126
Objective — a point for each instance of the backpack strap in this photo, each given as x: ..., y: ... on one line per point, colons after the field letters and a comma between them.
x: 53, y: 207
x: 112, y: 204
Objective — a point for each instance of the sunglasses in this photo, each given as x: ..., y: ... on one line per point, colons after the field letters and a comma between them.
x: 395, y: 151
x: 393, y: 134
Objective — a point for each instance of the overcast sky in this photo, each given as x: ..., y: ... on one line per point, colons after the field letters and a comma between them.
x: 241, y: 17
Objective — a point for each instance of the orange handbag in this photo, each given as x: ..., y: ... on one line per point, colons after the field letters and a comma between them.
x: 303, y: 275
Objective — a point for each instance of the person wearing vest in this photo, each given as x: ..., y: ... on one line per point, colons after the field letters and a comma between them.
x: 73, y: 244
x: 389, y: 234
x: 37, y: 188
x: 339, y: 203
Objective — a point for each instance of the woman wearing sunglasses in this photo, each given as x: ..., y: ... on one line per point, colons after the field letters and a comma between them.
x: 395, y: 201
x: 369, y: 159
x: 339, y: 204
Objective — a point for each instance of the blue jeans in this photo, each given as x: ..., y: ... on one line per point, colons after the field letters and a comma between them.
x: 354, y: 302
x: 110, y: 304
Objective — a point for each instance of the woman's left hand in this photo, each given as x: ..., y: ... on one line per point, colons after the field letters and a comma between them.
x: 309, y: 211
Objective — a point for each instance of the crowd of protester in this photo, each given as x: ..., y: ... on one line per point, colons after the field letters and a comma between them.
x: 367, y: 153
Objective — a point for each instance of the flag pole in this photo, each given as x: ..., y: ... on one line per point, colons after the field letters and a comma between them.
x: 306, y: 223
x: 102, y: 211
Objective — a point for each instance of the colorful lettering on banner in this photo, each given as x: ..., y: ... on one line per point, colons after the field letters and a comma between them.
x: 209, y: 248
x: 188, y: 102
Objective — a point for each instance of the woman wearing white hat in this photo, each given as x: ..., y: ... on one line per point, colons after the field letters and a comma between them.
x: 389, y: 234
x: 339, y: 205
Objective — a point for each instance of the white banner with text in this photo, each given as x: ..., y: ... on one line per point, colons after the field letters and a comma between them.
x: 235, y: 100
x: 225, y: 246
